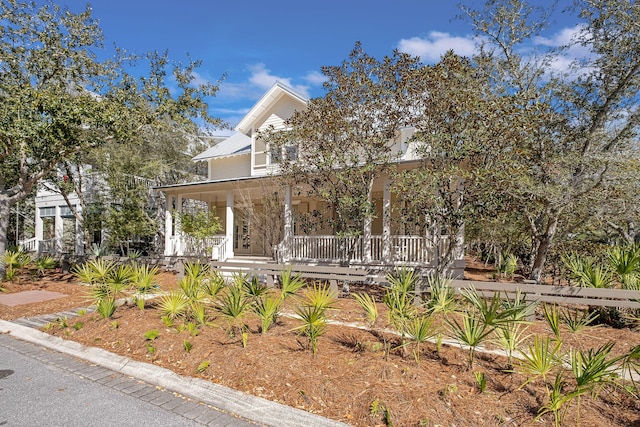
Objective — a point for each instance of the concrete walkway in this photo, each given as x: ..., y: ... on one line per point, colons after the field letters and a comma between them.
x: 206, y: 396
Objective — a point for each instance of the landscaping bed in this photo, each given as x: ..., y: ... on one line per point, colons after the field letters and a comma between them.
x: 355, y: 377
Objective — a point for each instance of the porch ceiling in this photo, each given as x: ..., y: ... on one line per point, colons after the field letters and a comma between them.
x: 216, y: 191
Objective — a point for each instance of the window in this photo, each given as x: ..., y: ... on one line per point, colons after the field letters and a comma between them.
x: 47, y: 212
x: 275, y: 155
x: 288, y: 152
x: 291, y: 152
x: 65, y: 211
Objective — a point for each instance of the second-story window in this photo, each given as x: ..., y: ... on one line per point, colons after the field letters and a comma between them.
x: 291, y: 152
x: 288, y: 153
x: 275, y: 154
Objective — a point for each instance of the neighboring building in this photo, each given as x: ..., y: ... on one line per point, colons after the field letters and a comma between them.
x: 241, y: 168
x: 57, y: 229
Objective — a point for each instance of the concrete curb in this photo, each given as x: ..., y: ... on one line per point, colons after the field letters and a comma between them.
x: 254, y: 408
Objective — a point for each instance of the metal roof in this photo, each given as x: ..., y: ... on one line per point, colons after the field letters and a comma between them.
x: 238, y: 143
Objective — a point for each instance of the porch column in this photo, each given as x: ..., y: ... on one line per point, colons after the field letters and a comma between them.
x: 458, y: 261
x: 169, y: 250
x: 386, y: 222
x: 178, y: 232
x: 229, y: 224
x: 366, y: 235
x: 79, y: 249
x: 39, y: 231
x: 288, y: 225
x: 58, y: 230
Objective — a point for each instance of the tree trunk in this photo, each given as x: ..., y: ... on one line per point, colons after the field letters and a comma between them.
x: 544, y: 243
x: 5, y: 207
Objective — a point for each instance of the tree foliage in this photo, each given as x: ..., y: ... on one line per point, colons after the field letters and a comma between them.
x: 457, y: 132
x: 345, y: 139
x: 577, y: 128
x: 199, y: 224
x: 59, y: 100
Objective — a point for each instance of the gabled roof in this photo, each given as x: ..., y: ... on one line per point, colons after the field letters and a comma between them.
x: 236, y: 144
x: 266, y: 102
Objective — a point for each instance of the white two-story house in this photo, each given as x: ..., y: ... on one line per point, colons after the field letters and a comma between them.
x: 241, y: 172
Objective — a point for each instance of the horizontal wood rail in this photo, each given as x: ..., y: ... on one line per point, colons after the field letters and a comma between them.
x: 574, y: 295
x: 333, y: 274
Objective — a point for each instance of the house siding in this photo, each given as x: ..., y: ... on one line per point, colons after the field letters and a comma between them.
x: 230, y: 167
x: 260, y: 150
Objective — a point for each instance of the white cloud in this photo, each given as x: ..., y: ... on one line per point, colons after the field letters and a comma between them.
x: 199, y: 80
x: 565, y: 61
x: 432, y: 47
x: 230, y: 90
x: 259, y: 81
x: 564, y: 37
x: 315, y: 78
x: 261, y: 77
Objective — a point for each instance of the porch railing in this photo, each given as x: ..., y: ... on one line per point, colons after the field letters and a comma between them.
x: 29, y: 245
x: 402, y: 249
x: 219, y: 250
x: 50, y: 245
x: 188, y: 246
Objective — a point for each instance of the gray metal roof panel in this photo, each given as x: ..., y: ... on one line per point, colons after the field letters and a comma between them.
x: 238, y: 143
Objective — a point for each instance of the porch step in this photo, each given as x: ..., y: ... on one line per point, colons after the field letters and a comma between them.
x: 253, y: 259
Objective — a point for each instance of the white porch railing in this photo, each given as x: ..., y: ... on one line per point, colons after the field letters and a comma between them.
x: 188, y: 246
x: 219, y: 250
x: 402, y: 249
x: 29, y: 245
x: 51, y: 245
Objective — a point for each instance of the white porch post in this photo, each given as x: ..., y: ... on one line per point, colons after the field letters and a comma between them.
x: 288, y: 224
x: 229, y: 224
x: 79, y: 250
x: 386, y: 222
x: 39, y: 229
x: 169, y: 250
x: 59, y: 230
x: 366, y: 236
x: 179, y: 235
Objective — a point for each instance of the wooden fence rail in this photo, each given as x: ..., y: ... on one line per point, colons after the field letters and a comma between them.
x: 620, y: 298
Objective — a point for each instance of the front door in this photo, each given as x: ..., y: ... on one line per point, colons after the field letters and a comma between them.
x: 241, y: 235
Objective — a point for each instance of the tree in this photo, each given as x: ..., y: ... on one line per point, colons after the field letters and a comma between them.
x: 157, y: 157
x: 457, y: 129
x: 345, y: 138
x: 577, y: 128
x: 264, y: 213
x: 59, y: 99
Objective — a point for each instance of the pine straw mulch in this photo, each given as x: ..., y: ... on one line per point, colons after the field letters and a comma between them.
x: 351, y: 379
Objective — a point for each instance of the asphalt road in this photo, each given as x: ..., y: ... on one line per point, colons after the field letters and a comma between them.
x: 40, y: 387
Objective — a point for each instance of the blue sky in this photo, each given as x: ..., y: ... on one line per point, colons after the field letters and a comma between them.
x: 256, y: 43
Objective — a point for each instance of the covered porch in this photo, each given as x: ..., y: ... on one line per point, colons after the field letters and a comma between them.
x: 277, y: 229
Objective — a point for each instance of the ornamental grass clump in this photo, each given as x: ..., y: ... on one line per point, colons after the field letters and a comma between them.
x: 399, y: 299
x: 312, y: 312
x: 13, y: 263
x: 484, y: 316
x: 267, y: 307
x: 45, y: 263
x: 471, y: 331
x: 107, y: 282
x: 419, y: 330
x: 143, y: 282
x: 290, y: 283
x: 234, y: 306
